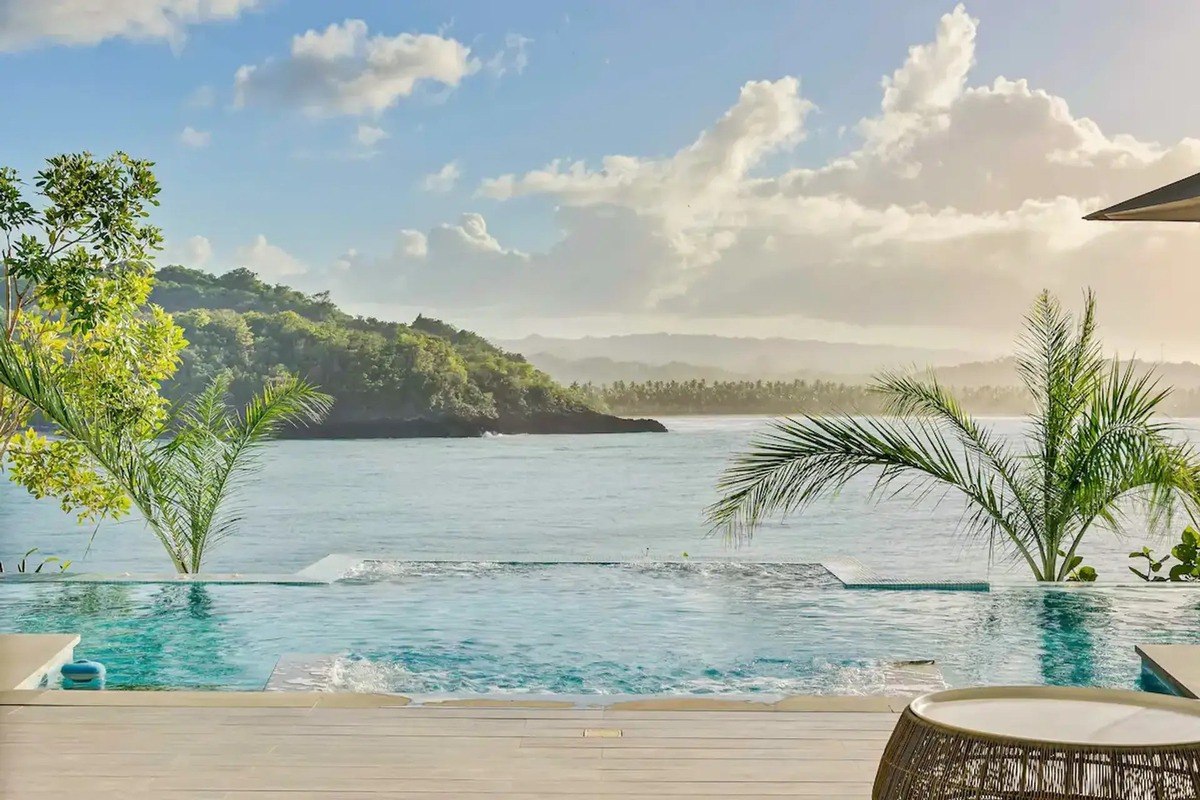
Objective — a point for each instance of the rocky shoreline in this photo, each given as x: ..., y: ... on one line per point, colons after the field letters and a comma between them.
x: 587, y: 422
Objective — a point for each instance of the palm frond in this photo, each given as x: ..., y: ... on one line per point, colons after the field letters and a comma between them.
x: 802, y: 460
x: 228, y: 454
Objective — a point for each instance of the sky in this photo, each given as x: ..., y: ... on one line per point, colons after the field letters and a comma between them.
x: 856, y: 171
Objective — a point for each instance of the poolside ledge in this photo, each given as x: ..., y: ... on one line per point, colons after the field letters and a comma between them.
x: 1176, y: 666
x: 27, y: 658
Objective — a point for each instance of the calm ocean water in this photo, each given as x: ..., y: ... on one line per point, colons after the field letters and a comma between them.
x: 551, y: 498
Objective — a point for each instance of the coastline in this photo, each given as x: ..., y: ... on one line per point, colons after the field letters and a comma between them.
x: 589, y: 422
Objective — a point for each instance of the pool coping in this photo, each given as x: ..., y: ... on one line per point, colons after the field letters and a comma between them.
x: 225, y: 699
x: 26, y: 659
x: 1175, y: 666
x: 849, y: 571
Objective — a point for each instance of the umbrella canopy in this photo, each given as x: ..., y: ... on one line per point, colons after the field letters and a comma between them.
x: 1175, y: 202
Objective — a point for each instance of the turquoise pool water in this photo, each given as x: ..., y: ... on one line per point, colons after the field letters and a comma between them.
x: 630, y: 628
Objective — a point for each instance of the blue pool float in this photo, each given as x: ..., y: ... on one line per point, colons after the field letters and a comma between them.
x: 83, y: 674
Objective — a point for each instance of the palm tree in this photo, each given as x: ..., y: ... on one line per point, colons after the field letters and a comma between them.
x: 184, y: 483
x: 181, y: 479
x: 1093, y: 442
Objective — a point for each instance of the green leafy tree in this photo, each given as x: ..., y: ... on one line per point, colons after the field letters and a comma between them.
x: 75, y: 277
x: 82, y: 349
x: 1092, y: 443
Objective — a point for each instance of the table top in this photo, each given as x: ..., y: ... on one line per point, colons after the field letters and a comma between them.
x: 1067, y: 715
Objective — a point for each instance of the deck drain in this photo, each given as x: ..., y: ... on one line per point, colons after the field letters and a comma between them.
x: 602, y: 733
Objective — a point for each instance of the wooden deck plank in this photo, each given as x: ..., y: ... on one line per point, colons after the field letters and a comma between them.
x: 223, y: 751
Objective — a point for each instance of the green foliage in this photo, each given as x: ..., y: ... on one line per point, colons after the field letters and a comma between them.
x: 75, y: 276
x: 181, y: 289
x: 1092, y: 443
x: 1186, y: 554
x: 23, y: 566
x: 1075, y: 571
x: 378, y: 371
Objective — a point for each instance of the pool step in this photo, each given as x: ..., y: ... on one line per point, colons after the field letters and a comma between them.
x: 301, y: 672
x: 910, y: 678
x: 325, y: 672
x: 856, y: 575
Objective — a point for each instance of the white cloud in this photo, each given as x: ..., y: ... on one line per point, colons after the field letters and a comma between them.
x: 369, y: 135
x: 960, y: 203
x: 29, y: 23
x: 513, y: 57
x: 412, y: 243
x: 271, y: 262
x: 444, y: 179
x: 190, y: 137
x: 197, y: 251
x: 345, y: 71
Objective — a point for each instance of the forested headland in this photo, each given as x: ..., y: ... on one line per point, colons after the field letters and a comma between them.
x: 426, y: 378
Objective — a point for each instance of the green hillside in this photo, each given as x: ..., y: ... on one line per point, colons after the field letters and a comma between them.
x: 426, y: 378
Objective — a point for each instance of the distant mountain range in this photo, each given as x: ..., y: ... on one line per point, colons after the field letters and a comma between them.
x: 682, y: 357
x: 667, y: 356
x: 606, y: 370
x: 1003, y: 372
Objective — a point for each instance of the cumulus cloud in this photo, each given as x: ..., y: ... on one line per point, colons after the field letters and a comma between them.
x: 443, y: 180
x: 343, y: 70
x: 28, y: 23
x: 958, y: 203
x: 197, y: 251
x: 190, y: 137
x: 271, y: 262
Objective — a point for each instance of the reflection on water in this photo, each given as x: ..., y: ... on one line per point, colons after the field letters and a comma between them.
x: 1069, y: 621
x: 166, y: 636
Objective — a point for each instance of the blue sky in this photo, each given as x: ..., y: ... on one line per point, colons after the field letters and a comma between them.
x: 601, y: 79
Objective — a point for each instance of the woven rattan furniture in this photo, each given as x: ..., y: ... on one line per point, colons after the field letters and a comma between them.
x: 1043, y: 743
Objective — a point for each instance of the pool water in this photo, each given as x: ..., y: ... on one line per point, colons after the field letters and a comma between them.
x: 594, y: 629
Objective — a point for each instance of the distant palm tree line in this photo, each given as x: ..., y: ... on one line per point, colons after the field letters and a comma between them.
x: 642, y: 398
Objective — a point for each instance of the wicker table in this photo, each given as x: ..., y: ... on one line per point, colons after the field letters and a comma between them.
x: 1043, y: 743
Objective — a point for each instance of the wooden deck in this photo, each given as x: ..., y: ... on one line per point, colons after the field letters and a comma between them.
x: 246, y: 752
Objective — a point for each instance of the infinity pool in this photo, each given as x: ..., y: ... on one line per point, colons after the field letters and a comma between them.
x: 629, y: 628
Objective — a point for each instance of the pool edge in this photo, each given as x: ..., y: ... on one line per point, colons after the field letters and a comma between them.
x: 310, y: 700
